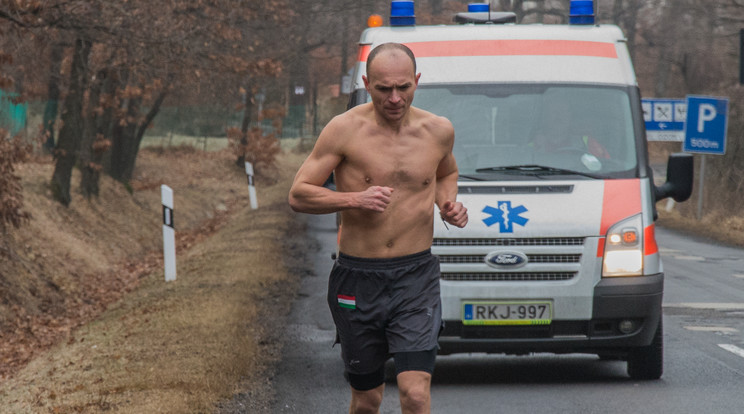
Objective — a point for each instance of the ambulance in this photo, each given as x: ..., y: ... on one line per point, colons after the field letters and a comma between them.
x: 559, y: 255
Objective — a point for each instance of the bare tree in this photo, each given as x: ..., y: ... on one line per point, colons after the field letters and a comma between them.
x: 72, y: 123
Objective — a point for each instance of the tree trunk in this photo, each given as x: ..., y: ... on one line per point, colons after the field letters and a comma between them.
x: 89, y: 155
x: 540, y: 12
x: 632, y: 26
x: 436, y: 7
x: 52, y: 105
x: 247, y: 110
x: 72, y: 127
x: 105, y: 121
x: 666, y: 47
x: 625, y: 14
x: 122, y: 150
x: 316, y: 127
x: 149, y: 117
x: 246, y: 124
x: 127, y: 139
x: 119, y: 81
x: 518, y: 7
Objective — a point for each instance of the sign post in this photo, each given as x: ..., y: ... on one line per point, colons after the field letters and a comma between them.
x: 705, y: 132
x: 251, y: 185
x: 169, y: 234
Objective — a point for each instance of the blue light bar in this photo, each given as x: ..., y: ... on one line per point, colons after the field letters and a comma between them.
x: 582, y: 12
x: 478, y: 7
x: 402, y: 14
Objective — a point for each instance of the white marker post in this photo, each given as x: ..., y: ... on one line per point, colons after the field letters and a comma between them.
x: 169, y: 233
x: 251, y: 185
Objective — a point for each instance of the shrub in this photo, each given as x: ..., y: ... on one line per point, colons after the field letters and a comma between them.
x: 12, y: 151
x: 255, y: 147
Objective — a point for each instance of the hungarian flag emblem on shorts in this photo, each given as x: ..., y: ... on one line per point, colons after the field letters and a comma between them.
x: 348, y: 302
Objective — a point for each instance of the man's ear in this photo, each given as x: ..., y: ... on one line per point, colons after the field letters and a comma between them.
x: 366, y: 82
x: 417, y: 78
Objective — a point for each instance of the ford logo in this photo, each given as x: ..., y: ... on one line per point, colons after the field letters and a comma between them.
x: 509, y: 259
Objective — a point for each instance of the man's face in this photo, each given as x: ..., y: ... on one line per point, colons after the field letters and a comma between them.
x: 391, y: 84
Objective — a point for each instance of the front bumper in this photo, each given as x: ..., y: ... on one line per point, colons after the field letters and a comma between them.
x: 636, y: 299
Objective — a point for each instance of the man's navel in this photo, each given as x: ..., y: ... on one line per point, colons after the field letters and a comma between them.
x: 368, y: 179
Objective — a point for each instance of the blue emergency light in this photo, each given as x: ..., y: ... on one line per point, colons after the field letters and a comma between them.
x: 402, y: 14
x: 582, y: 12
x: 478, y: 7
x: 480, y: 13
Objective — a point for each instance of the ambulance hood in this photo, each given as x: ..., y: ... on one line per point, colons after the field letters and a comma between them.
x: 578, y: 208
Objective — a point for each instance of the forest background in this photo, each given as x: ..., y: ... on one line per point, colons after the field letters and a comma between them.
x: 96, y: 97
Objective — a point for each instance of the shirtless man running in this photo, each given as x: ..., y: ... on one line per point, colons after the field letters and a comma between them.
x: 392, y: 163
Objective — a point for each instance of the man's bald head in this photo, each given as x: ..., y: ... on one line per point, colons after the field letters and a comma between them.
x: 390, y: 47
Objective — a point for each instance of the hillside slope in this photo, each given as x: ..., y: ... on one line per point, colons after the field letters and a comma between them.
x: 67, y: 341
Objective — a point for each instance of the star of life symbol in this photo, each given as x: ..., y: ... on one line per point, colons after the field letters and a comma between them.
x: 505, y: 215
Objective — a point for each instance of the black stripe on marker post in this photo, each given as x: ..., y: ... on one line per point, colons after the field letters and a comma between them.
x: 168, y: 216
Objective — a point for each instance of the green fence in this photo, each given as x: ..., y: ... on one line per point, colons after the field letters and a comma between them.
x: 13, y: 116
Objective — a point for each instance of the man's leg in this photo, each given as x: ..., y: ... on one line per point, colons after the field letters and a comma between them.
x: 366, y: 402
x: 415, y: 392
x: 414, y: 371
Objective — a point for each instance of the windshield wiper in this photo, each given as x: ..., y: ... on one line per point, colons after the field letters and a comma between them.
x: 471, y: 177
x: 535, y: 170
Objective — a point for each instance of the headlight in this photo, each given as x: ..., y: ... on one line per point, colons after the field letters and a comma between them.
x: 623, y: 252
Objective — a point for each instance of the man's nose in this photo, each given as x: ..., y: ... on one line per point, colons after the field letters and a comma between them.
x: 394, y: 96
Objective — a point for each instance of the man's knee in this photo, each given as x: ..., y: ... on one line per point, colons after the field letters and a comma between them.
x: 369, y: 401
x: 415, y: 390
x: 416, y: 395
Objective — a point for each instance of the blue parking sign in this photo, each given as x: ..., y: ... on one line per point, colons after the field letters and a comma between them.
x: 705, y: 129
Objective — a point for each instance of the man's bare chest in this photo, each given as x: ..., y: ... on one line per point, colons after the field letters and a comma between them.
x: 410, y: 162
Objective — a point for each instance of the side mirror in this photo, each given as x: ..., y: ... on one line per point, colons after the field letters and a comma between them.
x: 679, y: 178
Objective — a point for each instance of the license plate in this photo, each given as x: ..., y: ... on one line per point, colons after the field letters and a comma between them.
x: 507, y: 313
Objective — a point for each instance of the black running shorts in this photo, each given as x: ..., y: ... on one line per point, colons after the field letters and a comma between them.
x: 383, y: 307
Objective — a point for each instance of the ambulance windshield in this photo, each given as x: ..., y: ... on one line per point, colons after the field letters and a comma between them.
x: 587, y: 129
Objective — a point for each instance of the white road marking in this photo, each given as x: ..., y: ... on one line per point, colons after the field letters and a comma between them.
x: 722, y: 329
x: 690, y: 258
x: 739, y: 276
x: 706, y: 305
x: 733, y: 349
x: 664, y: 250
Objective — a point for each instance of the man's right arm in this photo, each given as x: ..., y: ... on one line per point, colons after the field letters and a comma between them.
x: 308, y: 195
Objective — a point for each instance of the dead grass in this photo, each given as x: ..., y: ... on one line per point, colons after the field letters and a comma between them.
x: 175, y: 347
x: 719, y: 225
x: 67, y: 264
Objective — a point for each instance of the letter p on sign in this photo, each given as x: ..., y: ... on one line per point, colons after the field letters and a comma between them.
x: 706, y: 112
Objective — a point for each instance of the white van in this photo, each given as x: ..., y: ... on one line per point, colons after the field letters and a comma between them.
x: 559, y: 255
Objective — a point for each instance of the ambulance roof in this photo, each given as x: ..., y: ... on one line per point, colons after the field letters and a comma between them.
x: 488, y: 53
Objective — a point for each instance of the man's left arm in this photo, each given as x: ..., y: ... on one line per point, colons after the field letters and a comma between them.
x: 451, y: 210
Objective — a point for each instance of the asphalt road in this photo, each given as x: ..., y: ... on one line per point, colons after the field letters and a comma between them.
x: 704, y: 351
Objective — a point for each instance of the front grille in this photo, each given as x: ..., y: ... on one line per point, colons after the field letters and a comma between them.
x: 551, y: 259
x: 532, y: 258
x: 509, y: 277
x: 554, y: 241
